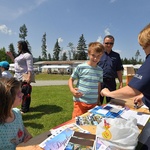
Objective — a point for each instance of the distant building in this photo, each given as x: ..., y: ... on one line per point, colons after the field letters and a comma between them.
x: 63, y: 67
x: 130, y: 69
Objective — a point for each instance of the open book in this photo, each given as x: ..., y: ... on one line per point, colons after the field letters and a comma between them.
x: 57, y: 142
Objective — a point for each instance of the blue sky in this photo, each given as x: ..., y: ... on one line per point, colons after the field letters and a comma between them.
x: 66, y: 20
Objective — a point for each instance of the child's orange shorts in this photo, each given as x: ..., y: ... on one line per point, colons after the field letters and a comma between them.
x: 81, y: 108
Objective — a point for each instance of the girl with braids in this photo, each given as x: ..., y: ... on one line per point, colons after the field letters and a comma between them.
x: 12, y: 130
x: 23, y: 63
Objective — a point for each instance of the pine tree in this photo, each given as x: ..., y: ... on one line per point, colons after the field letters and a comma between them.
x: 64, y: 57
x: 56, y: 51
x: 49, y: 57
x: 29, y: 46
x: 23, y: 35
x: 3, y: 55
x: 137, y: 54
x: 12, y: 50
x: 40, y: 59
x: 82, y: 49
x: 44, y: 47
x: 23, y: 32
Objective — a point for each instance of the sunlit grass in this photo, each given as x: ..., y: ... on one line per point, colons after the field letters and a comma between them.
x: 50, y: 106
x: 45, y: 76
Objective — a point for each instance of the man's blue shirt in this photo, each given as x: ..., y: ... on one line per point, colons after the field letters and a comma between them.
x: 110, y: 63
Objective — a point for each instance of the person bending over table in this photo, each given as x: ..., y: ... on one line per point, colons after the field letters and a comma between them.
x: 140, y: 84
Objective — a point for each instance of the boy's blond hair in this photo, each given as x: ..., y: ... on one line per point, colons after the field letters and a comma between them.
x: 144, y: 37
x: 95, y: 47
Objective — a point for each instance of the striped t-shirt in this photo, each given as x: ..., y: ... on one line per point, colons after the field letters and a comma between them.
x: 87, y: 78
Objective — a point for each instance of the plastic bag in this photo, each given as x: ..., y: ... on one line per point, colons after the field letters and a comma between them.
x: 118, y: 133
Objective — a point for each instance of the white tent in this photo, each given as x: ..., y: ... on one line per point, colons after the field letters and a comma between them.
x: 137, y: 66
x: 55, y: 66
x: 11, y: 67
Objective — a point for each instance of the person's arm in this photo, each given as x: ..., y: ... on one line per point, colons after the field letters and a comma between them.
x: 119, y: 74
x: 29, y: 77
x: 29, y: 62
x: 27, y: 135
x: 123, y: 93
x: 10, y: 55
x: 73, y: 90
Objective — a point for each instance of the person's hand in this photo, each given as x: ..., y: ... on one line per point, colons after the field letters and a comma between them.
x: 76, y: 93
x: 105, y: 92
x: 26, y: 77
x: 138, y: 100
x: 8, y: 53
x: 27, y: 137
x: 120, y: 85
x: 28, y: 80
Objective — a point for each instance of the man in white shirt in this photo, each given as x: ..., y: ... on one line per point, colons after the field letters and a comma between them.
x: 4, y: 66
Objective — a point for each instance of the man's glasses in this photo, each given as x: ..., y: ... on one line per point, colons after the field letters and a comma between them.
x: 109, y: 43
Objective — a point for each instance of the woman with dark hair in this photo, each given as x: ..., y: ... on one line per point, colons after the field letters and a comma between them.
x: 23, y: 63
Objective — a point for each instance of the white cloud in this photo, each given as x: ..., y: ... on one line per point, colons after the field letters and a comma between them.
x: 100, y: 39
x: 106, y: 31
x: 60, y: 40
x: 4, y: 29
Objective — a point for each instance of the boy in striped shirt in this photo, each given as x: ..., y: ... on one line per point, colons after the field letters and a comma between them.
x: 89, y: 77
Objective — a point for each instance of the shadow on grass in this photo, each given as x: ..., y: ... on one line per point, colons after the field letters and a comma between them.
x: 48, y: 109
x: 30, y: 116
x: 39, y: 111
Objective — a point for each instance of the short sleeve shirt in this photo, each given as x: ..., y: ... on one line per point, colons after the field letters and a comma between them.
x: 141, y: 81
x: 6, y: 74
x: 23, y: 64
x: 88, y: 78
x: 110, y: 63
x: 11, y: 134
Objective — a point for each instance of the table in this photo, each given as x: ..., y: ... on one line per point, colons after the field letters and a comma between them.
x: 35, y: 141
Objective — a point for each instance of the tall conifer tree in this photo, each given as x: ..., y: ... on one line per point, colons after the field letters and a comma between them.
x: 82, y: 49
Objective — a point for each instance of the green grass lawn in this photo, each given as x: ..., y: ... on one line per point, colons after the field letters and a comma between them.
x: 43, y: 76
x: 50, y: 106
